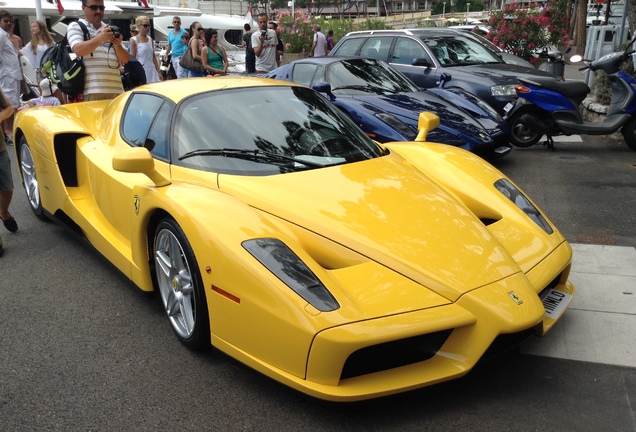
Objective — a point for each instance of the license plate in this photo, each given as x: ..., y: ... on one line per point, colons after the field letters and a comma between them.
x: 508, y: 107
x: 555, y: 302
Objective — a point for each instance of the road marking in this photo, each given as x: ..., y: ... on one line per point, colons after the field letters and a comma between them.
x: 599, y: 325
x: 563, y: 138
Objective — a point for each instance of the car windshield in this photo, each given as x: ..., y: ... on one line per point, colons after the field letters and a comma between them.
x: 460, y: 50
x: 266, y: 130
x: 356, y: 76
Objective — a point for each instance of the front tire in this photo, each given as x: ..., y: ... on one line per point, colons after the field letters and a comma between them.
x: 520, y: 134
x: 180, y: 285
x: 629, y: 133
x: 30, y: 179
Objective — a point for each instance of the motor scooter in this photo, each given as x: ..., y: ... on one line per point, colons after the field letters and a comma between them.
x: 549, y: 106
x: 554, y: 61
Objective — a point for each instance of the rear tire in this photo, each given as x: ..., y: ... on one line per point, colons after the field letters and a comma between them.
x: 30, y: 179
x: 520, y: 134
x: 629, y: 133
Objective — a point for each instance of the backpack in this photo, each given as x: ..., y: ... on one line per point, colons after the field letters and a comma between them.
x: 66, y: 73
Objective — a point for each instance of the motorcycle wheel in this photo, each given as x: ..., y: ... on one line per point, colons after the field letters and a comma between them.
x: 629, y: 133
x: 520, y: 134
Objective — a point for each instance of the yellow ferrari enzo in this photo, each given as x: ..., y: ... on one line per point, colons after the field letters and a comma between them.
x: 278, y: 232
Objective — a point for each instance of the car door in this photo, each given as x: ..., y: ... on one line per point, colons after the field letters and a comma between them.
x: 145, y: 122
x: 405, y: 50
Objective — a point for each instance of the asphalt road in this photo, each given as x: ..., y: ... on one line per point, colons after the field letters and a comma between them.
x: 81, y: 349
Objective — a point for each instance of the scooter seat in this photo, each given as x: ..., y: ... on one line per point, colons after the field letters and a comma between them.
x: 569, y: 88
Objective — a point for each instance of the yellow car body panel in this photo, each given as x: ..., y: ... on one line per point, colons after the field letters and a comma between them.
x: 417, y: 246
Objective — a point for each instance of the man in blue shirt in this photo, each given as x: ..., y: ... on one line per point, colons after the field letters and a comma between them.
x: 176, y: 47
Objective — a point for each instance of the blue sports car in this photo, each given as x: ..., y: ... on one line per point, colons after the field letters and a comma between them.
x: 386, y: 104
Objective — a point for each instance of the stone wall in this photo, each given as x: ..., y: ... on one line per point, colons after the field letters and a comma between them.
x: 593, y: 111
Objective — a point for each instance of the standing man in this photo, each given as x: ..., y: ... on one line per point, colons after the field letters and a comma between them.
x: 319, y: 47
x: 250, y: 58
x: 279, y: 46
x: 264, y: 42
x: 176, y: 47
x: 10, y: 73
x: 6, y: 180
x: 102, y: 53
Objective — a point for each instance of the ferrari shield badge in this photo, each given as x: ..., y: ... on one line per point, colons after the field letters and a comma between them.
x: 515, y: 297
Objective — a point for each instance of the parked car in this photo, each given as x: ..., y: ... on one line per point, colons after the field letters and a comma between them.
x: 500, y: 52
x: 424, y: 54
x: 387, y: 105
x: 272, y: 228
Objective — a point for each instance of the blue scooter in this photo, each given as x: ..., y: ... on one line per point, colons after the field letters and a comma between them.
x: 549, y: 106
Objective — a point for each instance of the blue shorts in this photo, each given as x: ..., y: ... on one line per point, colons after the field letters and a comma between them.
x: 6, y: 180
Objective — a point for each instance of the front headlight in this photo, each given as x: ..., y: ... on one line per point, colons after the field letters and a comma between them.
x: 516, y: 196
x: 503, y: 90
x: 396, y: 124
x: 279, y: 259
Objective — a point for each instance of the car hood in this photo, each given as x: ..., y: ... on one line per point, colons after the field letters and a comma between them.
x: 399, y: 218
x: 408, y: 106
x: 493, y: 74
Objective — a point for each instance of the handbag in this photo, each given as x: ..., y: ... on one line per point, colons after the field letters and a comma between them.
x: 187, y: 61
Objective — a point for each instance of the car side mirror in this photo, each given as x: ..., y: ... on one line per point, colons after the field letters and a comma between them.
x: 323, y: 87
x: 138, y: 160
x: 426, y: 123
x: 421, y: 61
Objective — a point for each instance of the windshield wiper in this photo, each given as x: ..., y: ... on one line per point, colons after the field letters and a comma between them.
x: 364, y: 88
x: 255, y: 155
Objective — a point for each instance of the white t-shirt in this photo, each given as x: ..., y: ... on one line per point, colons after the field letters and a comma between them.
x: 321, y: 44
x: 267, y: 60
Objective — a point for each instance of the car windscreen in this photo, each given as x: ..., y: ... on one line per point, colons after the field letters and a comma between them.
x: 460, y: 50
x: 265, y: 130
x: 359, y: 76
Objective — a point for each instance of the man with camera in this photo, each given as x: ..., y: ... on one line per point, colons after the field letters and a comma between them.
x: 264, y: 43
x: 102, y: 52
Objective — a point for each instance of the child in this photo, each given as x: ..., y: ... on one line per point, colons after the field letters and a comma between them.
x: 48, y: 98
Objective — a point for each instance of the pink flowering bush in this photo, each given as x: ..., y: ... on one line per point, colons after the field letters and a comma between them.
x: 526, y: 31
x: 298, y: 35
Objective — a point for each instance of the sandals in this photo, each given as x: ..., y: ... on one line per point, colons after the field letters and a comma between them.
x: 10, y: 224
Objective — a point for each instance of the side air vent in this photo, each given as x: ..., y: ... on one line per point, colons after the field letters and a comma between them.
x: 394, y: 354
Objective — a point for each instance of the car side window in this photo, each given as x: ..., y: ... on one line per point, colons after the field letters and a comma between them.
x: 406, y: 50
x: 146, y: 122
x: 304, y: 73
x: 349, y: 47
x: 377, y: 47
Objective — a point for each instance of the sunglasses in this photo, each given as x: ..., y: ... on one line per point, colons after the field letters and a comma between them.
x: 200, y: 29
x: 7, y: 21
x: 95, y: 7
x: 176, y: 22
x: 145, y: 25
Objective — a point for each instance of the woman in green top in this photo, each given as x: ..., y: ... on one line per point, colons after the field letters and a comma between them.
x: 213, y: 55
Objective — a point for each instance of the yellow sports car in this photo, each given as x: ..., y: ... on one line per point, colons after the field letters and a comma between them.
x: 277, y: 231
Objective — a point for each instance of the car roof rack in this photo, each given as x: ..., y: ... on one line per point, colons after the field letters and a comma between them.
x: 407, y: 32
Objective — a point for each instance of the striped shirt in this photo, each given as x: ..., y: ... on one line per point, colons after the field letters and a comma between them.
x: 102, y: 67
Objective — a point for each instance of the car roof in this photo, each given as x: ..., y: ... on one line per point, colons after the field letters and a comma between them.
x: 178, y: 90
x: 428, y: 31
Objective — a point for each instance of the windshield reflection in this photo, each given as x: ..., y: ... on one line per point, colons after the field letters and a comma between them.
x: 290, y: 121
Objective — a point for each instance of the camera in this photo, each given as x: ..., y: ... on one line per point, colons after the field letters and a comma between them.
x: 264, y: 34
x: 116, y: 31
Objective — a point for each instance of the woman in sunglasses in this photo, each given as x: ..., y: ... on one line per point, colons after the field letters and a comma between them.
x: 143, y: 48
x: 195, y: 44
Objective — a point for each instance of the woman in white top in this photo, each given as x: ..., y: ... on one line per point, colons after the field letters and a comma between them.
x: 41, y: 40
x: 142, y: 47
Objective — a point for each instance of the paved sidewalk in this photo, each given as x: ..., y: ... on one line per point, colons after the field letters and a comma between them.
x: 600, y: 323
